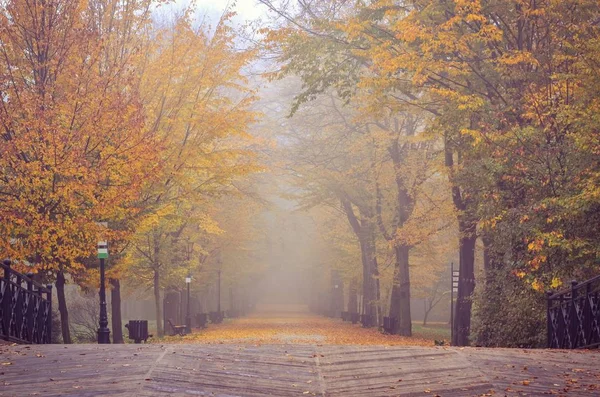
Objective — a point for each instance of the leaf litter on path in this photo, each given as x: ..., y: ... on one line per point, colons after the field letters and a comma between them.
x: 296, y: 328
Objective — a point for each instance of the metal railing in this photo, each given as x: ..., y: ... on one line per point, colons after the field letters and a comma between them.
x: 574, y: 316
x: 25, y: 308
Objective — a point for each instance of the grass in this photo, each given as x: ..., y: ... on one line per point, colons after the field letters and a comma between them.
x: 433, y: 331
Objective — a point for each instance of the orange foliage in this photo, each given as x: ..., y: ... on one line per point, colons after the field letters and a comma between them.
x: 74, y: 147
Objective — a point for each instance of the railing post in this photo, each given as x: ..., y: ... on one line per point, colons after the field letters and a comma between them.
x: 573, y: 319
x: 30, y: 302
x: 49, y: 324
x: 6, y: 301
x: 563, y: 328
x: 549, y: 328
x: 587, y: 315
x: 18, y: 317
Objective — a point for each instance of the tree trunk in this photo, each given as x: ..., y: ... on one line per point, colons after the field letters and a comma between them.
x: 467, y: 228
x: 157, y: 303
x: 369, y: 269
x: 62, y: 307
x: 466, y: 285
x: 365, y: 232
x: 115, y: 308
x: 202, y: 299
x: 491, y: 259
x: 400, y: 300
x: 375, y: 275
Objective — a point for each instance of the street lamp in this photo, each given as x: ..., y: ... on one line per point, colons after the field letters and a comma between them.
x: 188, y: 319
x: 103, y: 331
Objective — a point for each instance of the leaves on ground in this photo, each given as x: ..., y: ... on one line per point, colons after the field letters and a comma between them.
x: 295, y: 329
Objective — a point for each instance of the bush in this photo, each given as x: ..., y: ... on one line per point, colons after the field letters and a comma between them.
x: 84, y: 315
x: 508, y: 313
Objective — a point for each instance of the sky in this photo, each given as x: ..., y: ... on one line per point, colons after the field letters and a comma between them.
x: 246, y: 9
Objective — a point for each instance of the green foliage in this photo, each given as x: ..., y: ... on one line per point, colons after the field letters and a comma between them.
x: 508, y: 312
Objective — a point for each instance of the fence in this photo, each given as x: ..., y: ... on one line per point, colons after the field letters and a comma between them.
x: 574, y: 316
x: 25, y: 308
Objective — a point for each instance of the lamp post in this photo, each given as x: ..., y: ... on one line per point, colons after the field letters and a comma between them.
x: 188, y: 319
x: 103, y: 331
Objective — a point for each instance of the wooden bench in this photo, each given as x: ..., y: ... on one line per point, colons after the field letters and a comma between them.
x: 177, y: 329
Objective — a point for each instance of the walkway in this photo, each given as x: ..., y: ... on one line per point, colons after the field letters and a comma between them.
x: 274, y: 324
x: 311, y: 365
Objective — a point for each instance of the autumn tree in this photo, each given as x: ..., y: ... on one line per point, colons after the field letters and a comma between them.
x: 339, y: 177
x: 321, y: 49
x: 505, y: 82
x: 505, y: 108
x: 197, y: 105
x: 75, y: 150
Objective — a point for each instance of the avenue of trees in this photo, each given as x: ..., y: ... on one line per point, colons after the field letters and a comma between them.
x: 490, y: 107
x: 110, y: 116
x: 414, y: 133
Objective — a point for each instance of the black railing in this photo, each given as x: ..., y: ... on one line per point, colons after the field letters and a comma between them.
x: 25, y: 308
x: 574, y: 316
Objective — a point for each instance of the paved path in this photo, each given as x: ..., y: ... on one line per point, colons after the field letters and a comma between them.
x: 293, y: 370
x: 312, y: 364
x: 275, y: 324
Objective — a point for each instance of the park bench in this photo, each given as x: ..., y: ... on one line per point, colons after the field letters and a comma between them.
x: 138, y: 330
x: 345, y: 316
x: 354, y: 317
x: 177, y: 329
x: 201, y: 320
x: 390, y: 325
